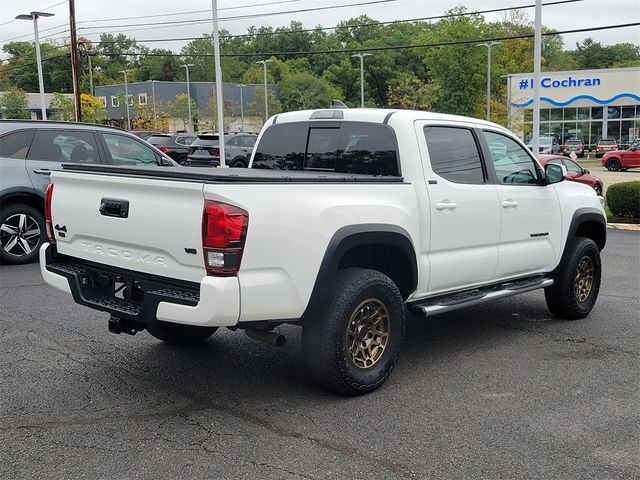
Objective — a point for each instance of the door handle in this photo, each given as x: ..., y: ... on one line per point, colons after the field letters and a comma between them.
x: 42, y: 171
x: 446, y: 205
x: 509, y: 203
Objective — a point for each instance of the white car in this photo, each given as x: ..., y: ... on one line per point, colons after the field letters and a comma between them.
x: 345, y: 220
x: 547, y: 145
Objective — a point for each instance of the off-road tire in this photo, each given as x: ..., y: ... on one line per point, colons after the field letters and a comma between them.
x: 325, y: 336
x: 177, y: 334
x: 239, y: 163
x: 8, y: 214
x: 562, y: 297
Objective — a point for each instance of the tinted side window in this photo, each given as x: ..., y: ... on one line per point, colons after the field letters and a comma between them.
x: 127, y: 151
x: 160, y: 140
x: 64, y: 146
x: 512, y: 163
x: 249, y: 141
x: 234, y: 142
x: 454, y: 154
x: 16, y: 144
x: 573, y: 167
x: 282, y: 147
x: 185, y: 140
x: 348, y: 147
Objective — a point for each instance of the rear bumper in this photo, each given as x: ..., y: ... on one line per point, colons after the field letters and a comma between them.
x: 129, y: 295
x: 203, y: 161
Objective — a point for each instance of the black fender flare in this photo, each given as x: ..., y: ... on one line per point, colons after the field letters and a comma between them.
x: 353, y: 236
x: 580, y: 216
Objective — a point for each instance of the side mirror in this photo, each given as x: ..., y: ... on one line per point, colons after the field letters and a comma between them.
x: 585, y: 171
x: 555, y: 173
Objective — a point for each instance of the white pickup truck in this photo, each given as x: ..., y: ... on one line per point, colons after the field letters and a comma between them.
x: 347, y: 220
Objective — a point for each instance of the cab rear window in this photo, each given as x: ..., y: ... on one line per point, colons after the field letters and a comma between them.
x: 345, y: 147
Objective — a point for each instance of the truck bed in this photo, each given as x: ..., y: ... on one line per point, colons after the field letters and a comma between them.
x: 229, y: 175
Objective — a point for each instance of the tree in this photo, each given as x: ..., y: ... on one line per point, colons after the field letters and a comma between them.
x: 256, y: 108
x: 179, y: 108
x: 305, y: 91
x: 93, y: 109
x: 14, y: 103
x: 63, y: 106
x: 411, y: 93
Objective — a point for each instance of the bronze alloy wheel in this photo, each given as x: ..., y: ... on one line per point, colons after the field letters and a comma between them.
x: 368, y: 333
x: 584, y: 279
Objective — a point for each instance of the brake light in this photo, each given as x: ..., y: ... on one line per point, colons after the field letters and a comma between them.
x: 224, y: 231
x: 47, y: 213
x: 165, y: 149
x: 215, y: 152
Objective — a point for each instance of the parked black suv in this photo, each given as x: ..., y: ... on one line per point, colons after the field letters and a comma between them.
x: 205, y: 152
x: 30, y: 150
x: 176, y: 145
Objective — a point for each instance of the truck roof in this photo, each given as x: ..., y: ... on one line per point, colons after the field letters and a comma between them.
x: 373, y: 115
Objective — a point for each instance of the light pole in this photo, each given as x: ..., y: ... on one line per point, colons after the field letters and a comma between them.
x: 34, y: 16
x: 218, y: 70
x: 537, y: 53
x: 241, y: 107
x: 126, y: 98
x: 488, y: 45
x: 91, y: 53
x: 266, y: 93
x: 186, y: 67
x: 361, y: 57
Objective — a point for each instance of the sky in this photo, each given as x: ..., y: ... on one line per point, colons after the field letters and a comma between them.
x: 91, y: 14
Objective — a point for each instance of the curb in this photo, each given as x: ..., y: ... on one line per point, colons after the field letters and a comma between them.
x: 632, y: 227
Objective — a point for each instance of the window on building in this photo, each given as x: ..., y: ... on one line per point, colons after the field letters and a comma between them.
x: 555, y: 115
x: 115, y: 101
x: 628, y: 112
x: 103, y: 101
x: 596, y: 113
x: 454, y: 154
x: 584, y: 113
x: 130, y: 100
x: 142, y: 99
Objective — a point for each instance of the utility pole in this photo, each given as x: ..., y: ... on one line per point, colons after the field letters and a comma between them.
x: 153, y: 94
x: 488, y: 45
x: 216, y: 58
x: 186, y: 67
x: 126, y: 98
x: 537, y: 53
x: 34, y: 16
x: 91, y: 53
x: 74, y: 60
x: 266, y: 93
x: 241, y: 107
x: 361, y: 56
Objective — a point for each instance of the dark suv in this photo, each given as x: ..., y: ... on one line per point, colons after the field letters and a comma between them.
x: 205, y: 152
x: 30, y: 150
x: 176, y: 145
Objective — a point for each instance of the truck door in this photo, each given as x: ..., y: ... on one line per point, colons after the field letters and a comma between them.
x: 530, y: 227
x: 464, y: 211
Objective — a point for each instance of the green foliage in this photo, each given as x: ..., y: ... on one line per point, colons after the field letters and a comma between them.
x: 256, y: 108
x: 302, y: 91
x: 411, y: 93
x: 93, y: 110
x: 14, y: 103
x: 179, y: 108
x: 623, y: 199
x: 591, y: 54
x: 63, y: 106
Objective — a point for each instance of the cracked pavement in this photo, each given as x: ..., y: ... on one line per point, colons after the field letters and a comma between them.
x: 500, y: 391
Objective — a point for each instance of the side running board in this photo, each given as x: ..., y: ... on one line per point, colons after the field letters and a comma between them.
x: 448, y: 303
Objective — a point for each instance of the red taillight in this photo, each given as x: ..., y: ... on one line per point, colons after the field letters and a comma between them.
x: 224, y: 230
x: 215, y: 152
x: 47, y: 213
x: 165, y: 149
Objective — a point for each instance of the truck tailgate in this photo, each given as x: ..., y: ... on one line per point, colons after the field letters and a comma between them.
x: 145, y: 224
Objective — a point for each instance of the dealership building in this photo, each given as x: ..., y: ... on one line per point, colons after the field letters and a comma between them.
x: 584, y: 104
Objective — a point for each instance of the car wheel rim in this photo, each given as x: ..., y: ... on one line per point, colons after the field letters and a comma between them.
x: 584, y: 279
x: 368, y: 333
x: 19, y: 234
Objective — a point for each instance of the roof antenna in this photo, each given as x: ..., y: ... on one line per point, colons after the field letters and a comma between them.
x: 337, y: 104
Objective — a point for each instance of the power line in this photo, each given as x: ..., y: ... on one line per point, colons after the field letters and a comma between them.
x: 41, y: 10
x: 31, y: 34
x: 241, y: 17
x: 370, y: 24
x: 190, y: 12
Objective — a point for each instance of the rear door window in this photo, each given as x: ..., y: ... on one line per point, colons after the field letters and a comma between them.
x: 16, y: 144
x: 346, y: 147
x: 64, y: 146
x: 454, y: 154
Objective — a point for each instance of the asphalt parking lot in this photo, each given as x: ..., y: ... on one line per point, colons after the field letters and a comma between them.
x: 502, y: 391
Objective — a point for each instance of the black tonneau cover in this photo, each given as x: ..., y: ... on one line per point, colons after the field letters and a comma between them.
x: 230, y: 175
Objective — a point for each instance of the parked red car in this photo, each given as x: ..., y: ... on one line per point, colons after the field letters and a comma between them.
x: 605, y: 145
x: 623, y: 159
x: 575, y: 172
